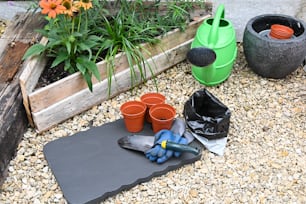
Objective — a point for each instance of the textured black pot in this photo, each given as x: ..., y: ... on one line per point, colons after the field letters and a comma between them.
x: 274, y: 58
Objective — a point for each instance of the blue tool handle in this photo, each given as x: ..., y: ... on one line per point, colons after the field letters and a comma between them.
x: 179, y: 147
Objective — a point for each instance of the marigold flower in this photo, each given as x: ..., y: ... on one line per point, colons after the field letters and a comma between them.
x: 52, y: 7
x: 86, y: 4
x: 70, y: 7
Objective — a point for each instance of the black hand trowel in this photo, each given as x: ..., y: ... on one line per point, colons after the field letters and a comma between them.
x: 143, y: 143
x: 201, y: 56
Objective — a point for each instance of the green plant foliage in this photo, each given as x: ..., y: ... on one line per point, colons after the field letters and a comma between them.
x: 89, y: 35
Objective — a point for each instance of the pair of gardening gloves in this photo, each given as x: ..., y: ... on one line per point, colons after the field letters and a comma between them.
x: 160, y: 155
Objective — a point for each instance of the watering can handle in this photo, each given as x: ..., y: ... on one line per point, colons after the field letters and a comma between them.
x: 213, y: 34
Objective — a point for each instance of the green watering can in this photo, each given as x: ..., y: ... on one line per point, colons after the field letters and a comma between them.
x: 214, y: 50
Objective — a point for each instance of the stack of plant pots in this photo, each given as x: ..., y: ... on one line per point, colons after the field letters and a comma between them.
x: 151, y: 108
x: 274, y: 45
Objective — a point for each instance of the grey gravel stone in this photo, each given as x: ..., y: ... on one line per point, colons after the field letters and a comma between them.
x: 264, y: 160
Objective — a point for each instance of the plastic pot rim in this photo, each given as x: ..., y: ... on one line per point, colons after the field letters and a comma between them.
x: 151, y: 95
x: 135, y: 104
x: 165, y: 107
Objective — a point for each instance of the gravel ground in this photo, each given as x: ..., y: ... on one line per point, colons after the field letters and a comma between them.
x: 2, y: 27
x: 264, y: 161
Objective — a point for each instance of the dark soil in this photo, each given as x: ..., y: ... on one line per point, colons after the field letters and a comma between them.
x: 51, y: 75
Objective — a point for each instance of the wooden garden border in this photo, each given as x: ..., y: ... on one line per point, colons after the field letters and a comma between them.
x: 69, y: 96
x: 13, y: 119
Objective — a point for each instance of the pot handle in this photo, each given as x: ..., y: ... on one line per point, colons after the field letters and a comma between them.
x: 213, y: 34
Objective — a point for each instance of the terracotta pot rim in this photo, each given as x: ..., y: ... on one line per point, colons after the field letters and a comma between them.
x: 134, y: 119
x: 165, y: 107
x: 144, y: 101
x: 135, y: 104
x: 279, y: 31
x: 152, y: 95
x: 162, y: 110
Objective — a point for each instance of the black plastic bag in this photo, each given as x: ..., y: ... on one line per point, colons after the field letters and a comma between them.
x: 206, y: 116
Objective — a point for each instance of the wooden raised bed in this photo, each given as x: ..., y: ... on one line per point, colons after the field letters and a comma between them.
x: 69, y: 96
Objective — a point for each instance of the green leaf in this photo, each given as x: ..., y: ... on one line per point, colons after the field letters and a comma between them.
x: 94, y: 38
x: 85, y: 65
x: 84, y: 47
x: 68, y: 67
x: 68, y: 47
x: 71, y: 39
x: 77, y: 34
x: 94, y: 69
x: 93, y: 41
x: 36, y: 49
x: 87, y: 78
x: 53, y: 44
x: 81, y: 65
x: 61, y: 57
x: 44, y: 32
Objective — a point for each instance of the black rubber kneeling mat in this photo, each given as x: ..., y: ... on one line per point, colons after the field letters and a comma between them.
x: 90, y: 166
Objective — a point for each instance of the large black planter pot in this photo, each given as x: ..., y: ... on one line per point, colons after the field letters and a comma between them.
x: 274, y: 58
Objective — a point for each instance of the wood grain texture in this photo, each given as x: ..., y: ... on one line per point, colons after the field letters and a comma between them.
x: 75, y: 104
x: 13, y: 121
x: 11, y: 60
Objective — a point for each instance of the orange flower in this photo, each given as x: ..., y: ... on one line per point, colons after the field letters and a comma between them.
x: 86, y: 4
x: 70, y: 8
x: 51, y: 7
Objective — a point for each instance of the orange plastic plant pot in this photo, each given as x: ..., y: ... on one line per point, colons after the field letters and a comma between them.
x: 281, y: 32
x: 151, y: 99
x: 162, y: 116
x: 133, y: 113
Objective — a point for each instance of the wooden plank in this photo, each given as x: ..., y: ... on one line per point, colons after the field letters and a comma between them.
x: 22, y: 29
x: 2, y: 87
x: 11, y: 132
x: 32, y: 69
x: 13, y: 120
x: 11, y: 60
x: 27, y: 86
x: 46, y: 96
x: 7, y: 99
x: 63, y: 110
x: 13, y: 123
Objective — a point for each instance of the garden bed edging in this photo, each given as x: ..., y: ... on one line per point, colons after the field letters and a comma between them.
x: 61, y: 100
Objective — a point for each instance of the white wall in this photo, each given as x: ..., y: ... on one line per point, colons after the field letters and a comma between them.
x: 237, y: 11
x: 240, y: 11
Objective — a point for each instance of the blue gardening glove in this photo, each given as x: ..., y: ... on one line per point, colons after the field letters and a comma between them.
x: 160, y: 155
